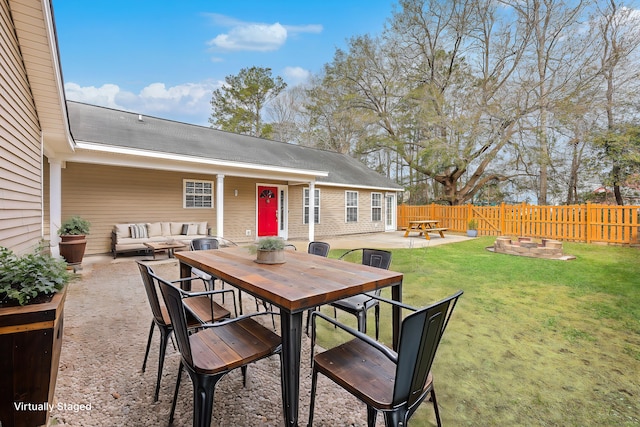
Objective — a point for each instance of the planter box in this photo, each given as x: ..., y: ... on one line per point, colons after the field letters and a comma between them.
x: 30, y: 342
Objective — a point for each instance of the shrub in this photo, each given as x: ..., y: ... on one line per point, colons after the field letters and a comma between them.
x: 24, y: 279
x: 74, y: 226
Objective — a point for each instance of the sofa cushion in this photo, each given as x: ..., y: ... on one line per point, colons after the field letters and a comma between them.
x: 154, y: 229
x: 202, y: 228
x: 166, y: 228
x: 122, y: 230
x: 176, y: 228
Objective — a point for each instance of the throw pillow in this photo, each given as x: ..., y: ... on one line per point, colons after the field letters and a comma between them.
x: 139, y: 231
x: 185, y: 229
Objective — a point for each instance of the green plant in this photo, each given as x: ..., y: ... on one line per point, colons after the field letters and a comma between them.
x: 25, y: 278
x: 74, y: 226
x: 472, y: 224
x: 270, y: 244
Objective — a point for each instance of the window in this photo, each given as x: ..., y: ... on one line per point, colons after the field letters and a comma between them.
x: 198, y: 194
x: 316, y: 207
x: 351, y: 202
x: 376, y: 206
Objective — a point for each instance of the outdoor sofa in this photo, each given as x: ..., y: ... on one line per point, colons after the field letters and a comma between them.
x: 131, y: 237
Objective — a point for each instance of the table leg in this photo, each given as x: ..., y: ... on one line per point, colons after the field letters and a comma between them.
x: 291, y: 332
x: 396, y: 314
x: 185, y: 271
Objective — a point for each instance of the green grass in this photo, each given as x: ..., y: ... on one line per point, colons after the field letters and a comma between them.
x: 532, y: 342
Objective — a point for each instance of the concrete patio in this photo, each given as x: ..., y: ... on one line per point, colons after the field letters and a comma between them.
x: 107, y: 320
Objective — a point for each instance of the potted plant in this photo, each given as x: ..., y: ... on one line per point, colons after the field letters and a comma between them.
x: 270, y: 250
x: 73, y: 242
x: 32, y: 293
x: 472, y: 228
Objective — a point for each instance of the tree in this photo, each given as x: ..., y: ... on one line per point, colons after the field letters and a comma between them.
x: 619, y: 30
x: 238, y: 105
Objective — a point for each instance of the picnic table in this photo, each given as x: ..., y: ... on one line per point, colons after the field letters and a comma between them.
x: 425, y: 226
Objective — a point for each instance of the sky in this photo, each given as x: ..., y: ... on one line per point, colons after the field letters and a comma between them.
x: 164, y: 58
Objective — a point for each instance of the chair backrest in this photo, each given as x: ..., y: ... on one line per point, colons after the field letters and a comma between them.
x: 319, y: 248
x: 152, y: 294
x: 204, y: 243
x: 173, y: 301
x: 373, y: 257
x: 420, y: 335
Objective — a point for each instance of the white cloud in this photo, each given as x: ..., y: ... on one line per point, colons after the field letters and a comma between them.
x: 252, y: 36
x: 296, y: 75
x: 188, y: 102
x: 104, y: 95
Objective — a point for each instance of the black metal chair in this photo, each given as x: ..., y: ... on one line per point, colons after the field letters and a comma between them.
x: 359, y: 304
x: 393, y: 383
x: 214, y: 350
x: 319, y: 248
x: 206, y: 309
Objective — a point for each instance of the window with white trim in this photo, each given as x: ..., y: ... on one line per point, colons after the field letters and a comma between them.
x: 351, y: 205
x: 316, y: 206
x: 198, y: 194
x: 376, y: 207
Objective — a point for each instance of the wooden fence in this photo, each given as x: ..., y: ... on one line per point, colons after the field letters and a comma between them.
x: 579, y: 223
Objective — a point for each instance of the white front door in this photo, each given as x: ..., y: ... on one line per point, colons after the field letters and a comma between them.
x: 390, y: 212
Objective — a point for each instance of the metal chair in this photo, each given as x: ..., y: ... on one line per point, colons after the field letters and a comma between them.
x: 215, y: 350
x: 207, y: 311
x: 393, y: 383
x: 319, y: 248
x: 359, y: 304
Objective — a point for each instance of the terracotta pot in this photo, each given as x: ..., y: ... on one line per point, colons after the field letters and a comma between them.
x: 30, y: 343
x: 72, y: 248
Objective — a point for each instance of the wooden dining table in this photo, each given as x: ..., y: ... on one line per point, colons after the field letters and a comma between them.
x: 303, y: 282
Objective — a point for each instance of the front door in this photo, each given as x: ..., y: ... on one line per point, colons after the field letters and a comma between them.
x: 267, y: 211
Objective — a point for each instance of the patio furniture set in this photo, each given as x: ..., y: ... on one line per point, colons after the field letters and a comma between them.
x: 212, y: 342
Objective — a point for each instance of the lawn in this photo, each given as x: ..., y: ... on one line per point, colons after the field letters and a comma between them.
x: 532, y: 342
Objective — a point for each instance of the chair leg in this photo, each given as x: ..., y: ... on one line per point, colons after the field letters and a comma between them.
x: 175, y: 394
x: 146, y: 354
x: 362, y: 321
x: 435, y: 406
x: 164, y: 340
x: 243, y: 369
x: 377, y: 314
x: 371, y: 416
x: 203, y: 390
x: 312, y: 403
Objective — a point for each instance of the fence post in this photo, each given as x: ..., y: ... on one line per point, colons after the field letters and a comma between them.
x: 587, y: 221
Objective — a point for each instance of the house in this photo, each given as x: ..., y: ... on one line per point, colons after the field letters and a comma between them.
x: 33, y: 121
x: 127, y: 167
x: 59, y: 159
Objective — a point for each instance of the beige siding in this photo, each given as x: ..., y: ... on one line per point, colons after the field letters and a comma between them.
x: 20, y: 149
x: 332, y: 213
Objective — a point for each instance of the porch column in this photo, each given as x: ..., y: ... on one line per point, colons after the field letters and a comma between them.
x: 312, y: 210
x: 55, y: 204
x: 220, y: 205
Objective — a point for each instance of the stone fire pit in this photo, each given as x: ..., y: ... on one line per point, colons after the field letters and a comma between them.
x: 526, y: 246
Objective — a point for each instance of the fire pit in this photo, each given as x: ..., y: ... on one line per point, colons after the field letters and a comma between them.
x: 526, y: 246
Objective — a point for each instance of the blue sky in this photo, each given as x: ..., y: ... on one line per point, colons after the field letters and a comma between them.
x: 164, y: 58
